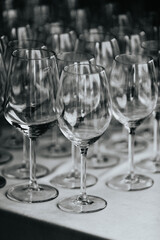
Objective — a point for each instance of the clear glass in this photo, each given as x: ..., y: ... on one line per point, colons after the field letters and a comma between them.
x: 152, y: 163
x: 60, y: 41
x: 4, y: 156
x: 134, y: 95
x: 84, y: 113
x: 127, y: 40
x: 71, y: 179
x: 104, y: 47
x: 30, y: 107
x: 17, y: 140
x: 63, y: 41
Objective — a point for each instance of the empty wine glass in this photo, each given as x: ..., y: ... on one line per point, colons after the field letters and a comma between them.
x: 134, y: 94
x: 152, y: 163
x: 71, y: 179
x: 30, y: 107
x: 59, y: 42
x: 104, y: 46
x: 84, y: 113
x: 21, y: 170
x: 63, y: 41
x: 127, y: 41
x: 4, y: 156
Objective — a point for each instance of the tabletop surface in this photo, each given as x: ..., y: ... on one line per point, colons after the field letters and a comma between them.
x: 128, y: 216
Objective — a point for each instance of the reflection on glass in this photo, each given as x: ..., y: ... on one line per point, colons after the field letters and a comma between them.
x: 30, y: 107
x: 71, y: 179
x: 134, y: 95
x: 84, y: 113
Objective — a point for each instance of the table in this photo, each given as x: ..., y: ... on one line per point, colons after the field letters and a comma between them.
x: 128, y: 215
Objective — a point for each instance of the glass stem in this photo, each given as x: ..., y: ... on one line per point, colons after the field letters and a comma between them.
x: 131, y: 139
x: 83, y: 194
x: 97, y: 151
x: 26, y: 151
x: 33, y: 181
x: 74, y: 159
x: 156, y: 138
x: 55, y: 136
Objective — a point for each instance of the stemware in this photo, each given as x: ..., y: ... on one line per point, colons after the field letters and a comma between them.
x: 5, y: 156
x: 79, y: 19
x: 59, y: 42
x: 30, y: 107
x: 63, y: 41
x: 152, y: 163
x: 21, y: 170
x: 21, y: 37
x: 127, y: 41
x: 84, y: 113
x: 134, y: 94
x: 71, y: 179
x: 104, y: 46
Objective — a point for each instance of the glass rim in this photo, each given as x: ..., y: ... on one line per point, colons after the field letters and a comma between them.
x: 118, y: 58
x: 26, y: 40
x: 33, y: 49
x: 65, y: 31
x: 148, y: 45
x: 72, y: 52
x: 100, y: 68
x: 103, y: 33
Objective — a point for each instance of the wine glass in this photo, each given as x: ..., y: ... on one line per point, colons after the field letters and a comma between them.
x: 84, y: 113
x: 59, y: 42
x: 21, y: 37
x: 104, y: 46
x: 71, y: 179
x: 63, y: 41
x: 30, y: 107
x: 134, y: 94
x: 127, y: 41
x: 5, y: 156
x: 152, y: 163
x: 21, y: 170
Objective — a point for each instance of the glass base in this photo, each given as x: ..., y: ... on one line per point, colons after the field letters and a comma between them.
x: 145, y: 131
x: 12, y: 142
x: 20, y: 171
x: 76, y: 205
x: 72, y: 180
x: 130, y: 183
x: 5, y: 156
x: 105, y: 161
x: 26, y: 194
x: 121, y: 145
x: 54, y: 151
x: 2, y: 181
x: 149, y: 165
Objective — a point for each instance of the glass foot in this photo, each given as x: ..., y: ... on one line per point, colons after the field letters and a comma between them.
x: 76, y: 205
x: 12, y: 142
x: 149, y: 165
x: 130, y: 183
x: 72, y: 180
x: 105, y: 161
x: 145, y: 131
x: 25, y: 193
x: 2, y: 181
x: 5, y: 156
x: 121, y: 145
x: 21, y: 172
x: 54, y: 151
